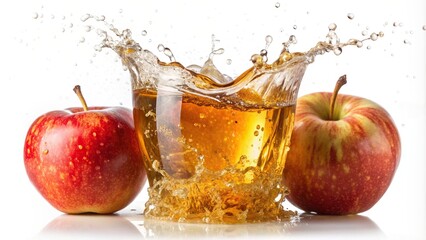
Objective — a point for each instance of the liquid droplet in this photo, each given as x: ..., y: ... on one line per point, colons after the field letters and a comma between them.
x: 374, y: 36
x: 35, y: 15
x: 229, y: 61
x: 294, y: 27
x: 277, y: 5
x: 351, y: 16
x: 82, y: 40
x: 160, y: 47
x: 88, y: 28
x: 144, y: 32
x: 268, y: 40
x: 85, y: 17
x: 337, y: 51
x: 332, y: 27
x: 424, y: 27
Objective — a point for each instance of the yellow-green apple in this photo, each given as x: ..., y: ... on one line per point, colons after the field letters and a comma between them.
x: 343, y: 154
x: 85, y: 159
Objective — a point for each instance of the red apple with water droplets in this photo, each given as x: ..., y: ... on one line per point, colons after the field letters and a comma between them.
x: 85, y: 159
x: 343, y: 155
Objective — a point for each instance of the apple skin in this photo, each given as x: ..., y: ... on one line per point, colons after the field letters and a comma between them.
x: 85, y: 161
x: 344, y: 165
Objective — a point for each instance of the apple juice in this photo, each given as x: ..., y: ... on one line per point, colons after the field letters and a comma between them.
x: 215, y: 146
x: 207, y: 157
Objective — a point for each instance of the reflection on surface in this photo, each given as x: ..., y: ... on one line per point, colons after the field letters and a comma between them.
x: 309, y: 226
x: 89, y: 226
x: 134, y: 226
x: 352, y: 226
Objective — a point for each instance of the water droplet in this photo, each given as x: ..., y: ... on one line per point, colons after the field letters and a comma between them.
x: 85, y: 17
x: 292, y: 39
x: 277, y: 4
x: 82, y: 40
x: 218, y: 51
x: 359, y: 44
x: 337, y: 51
x: 120, y: 10
x: 144, y: 32
x: 100, y: 18
x: 263, y: 52
x: 424, y: 28
x: 88, y: 28
x: 364, y: 33
x: 368, y: 47
x: 35, y: 15
x: 268, y: 40
x: 351, y: 16
x: 406, y: 41
x: 256, y: 133
x: 332, y: 26
x: 70, y: 25
x: 294, y: 27
x: 160, y: 47
x: 169, y: 54
x: 52, y: 16
x: 229, y: 61
x: 374, y: 36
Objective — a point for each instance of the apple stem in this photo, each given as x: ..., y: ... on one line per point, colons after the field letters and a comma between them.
x: 77, y: 90
x: 340, y: 82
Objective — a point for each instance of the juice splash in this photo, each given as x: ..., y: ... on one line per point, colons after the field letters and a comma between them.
x: 215, y: 146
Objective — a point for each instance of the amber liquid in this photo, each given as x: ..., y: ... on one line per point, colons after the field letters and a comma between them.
x: 212, y: 162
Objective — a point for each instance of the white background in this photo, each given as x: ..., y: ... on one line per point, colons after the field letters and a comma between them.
x: 46, y: 51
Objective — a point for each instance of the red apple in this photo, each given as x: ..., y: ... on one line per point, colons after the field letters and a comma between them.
x: 85, y: 159
x: 343, y: 155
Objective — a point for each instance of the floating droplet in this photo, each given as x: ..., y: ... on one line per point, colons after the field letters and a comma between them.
x: 85, y: 17
x: 82, y: 40
x: 294, y: 27
x: 160, y: 47
x: 332, y: 26
x: 268, y: 40
x: 374, y: 36
x: 351, y: 16
x: 218, y: 51
x: 424, y: 28
x: 406, y: 41
x: 88, y: 28
x: 144, y: 32
x: 292, y: 39
x: 364, y: 33
x: 229, y: 61
x: 337, y: 51
x: 100, y: 18
x: 277, y: 4
x: 35, y: 15
x: 359, y: 44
